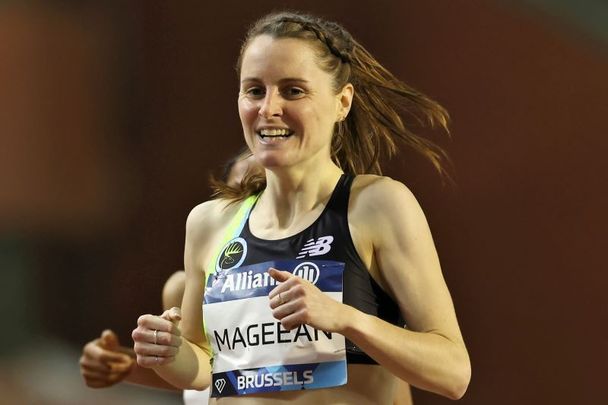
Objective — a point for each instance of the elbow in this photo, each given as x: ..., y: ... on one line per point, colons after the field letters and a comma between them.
x: 458, y: 390
x: 197, y: 387
x: 198, y: 384
x: 460, y: 381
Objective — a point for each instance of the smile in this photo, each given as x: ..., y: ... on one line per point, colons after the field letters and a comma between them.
x: 272, y: 135
x: 272, y: 132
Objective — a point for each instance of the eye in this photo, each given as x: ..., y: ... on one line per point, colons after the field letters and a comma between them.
x: 293, y: 92
x: 254, y: 92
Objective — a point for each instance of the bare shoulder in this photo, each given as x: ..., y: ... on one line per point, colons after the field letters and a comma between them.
x: 205, y: 212
x: 208, y: 217
x: 386, y: 210
x: 380, y: 195
x: 205, y: 226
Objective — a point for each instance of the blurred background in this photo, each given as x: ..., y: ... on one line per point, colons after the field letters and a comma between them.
x: 113, y: 114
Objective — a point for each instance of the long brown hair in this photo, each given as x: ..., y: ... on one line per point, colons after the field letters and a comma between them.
x: 381, y: 107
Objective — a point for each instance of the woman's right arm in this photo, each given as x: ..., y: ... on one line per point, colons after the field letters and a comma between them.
x: 180, y: 354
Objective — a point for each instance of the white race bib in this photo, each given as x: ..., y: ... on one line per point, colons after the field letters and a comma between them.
x: 252, y: 352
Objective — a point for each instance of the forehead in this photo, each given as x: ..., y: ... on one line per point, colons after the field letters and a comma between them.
x: 267, y: 57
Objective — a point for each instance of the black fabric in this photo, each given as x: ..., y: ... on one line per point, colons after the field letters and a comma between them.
x: 360, y: 290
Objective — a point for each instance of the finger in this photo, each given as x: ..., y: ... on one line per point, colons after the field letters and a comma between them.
x: 278, y: 298
x: 149, y: 349
x: 283, y: 286
x: 109, y: 340
x: 156, y: 337
x: 106, y: 367
x: 174, y: 315
x: 97, y: 375
x: 153, y: 361
x: 279, y: 275
x: 167, y: 339
x: 163, y: 338
x: 97, y: 383
x: 293, y: 320
x: 122, y: 367
x: 108, y: 356
x: 93, y: 365
x: 103, y: 381
x: 90, y: 355
x: 287, y: 308
x: 154, y: 322
x: 94, y: 352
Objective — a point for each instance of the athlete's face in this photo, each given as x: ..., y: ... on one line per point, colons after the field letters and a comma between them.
x: 287, y: 104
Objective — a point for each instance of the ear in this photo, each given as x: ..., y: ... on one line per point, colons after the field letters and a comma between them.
x: 345, y: 99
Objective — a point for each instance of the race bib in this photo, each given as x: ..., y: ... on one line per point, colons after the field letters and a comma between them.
x: 252, y: 352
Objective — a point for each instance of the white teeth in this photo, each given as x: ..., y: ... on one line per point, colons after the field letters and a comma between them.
x: 274, y: 132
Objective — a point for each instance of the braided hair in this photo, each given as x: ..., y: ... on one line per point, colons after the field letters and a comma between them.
x: 376, y: 122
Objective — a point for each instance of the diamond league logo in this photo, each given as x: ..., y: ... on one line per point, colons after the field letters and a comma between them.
x: 220, y: 384
x: 308, y: 271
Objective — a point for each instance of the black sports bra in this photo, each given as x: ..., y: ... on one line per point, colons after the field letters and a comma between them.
x: 328, y: 238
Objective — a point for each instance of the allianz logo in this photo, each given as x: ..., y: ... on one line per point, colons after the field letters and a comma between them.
x: 248, y: 280
x: 308, y: 271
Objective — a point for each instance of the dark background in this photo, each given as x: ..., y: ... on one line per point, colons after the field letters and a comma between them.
x: 112, y: 115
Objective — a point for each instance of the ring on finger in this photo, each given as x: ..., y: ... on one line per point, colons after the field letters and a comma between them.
x: 281, y: 302
x: 156, y: 338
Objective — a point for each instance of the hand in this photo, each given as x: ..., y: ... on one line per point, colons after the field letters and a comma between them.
x: 157, y: 338
x: 296, y: 301
x: 104, y: 362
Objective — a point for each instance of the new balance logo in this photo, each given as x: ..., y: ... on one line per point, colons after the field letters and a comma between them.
x: 316, y: 248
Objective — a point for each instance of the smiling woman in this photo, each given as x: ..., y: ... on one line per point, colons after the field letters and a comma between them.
x: 287, y: 104
x: 349, y: 251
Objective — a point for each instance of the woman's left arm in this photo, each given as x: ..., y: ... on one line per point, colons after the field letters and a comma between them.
x: 430, y: 353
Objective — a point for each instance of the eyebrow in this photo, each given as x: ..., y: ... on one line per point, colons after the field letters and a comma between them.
x: 282, y: 81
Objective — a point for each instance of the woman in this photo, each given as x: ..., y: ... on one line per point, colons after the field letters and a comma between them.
x: 314, y: 105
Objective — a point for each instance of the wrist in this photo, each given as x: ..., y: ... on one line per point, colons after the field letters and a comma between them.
x: 350, y: 320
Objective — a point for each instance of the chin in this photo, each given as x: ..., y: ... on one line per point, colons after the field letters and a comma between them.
x: 271, y: 160
x: 272, y: 164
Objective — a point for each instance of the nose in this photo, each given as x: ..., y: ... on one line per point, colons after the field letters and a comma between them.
x: 271, y: 105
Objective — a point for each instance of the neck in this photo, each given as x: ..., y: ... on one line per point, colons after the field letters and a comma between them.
x: 290, y: 194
